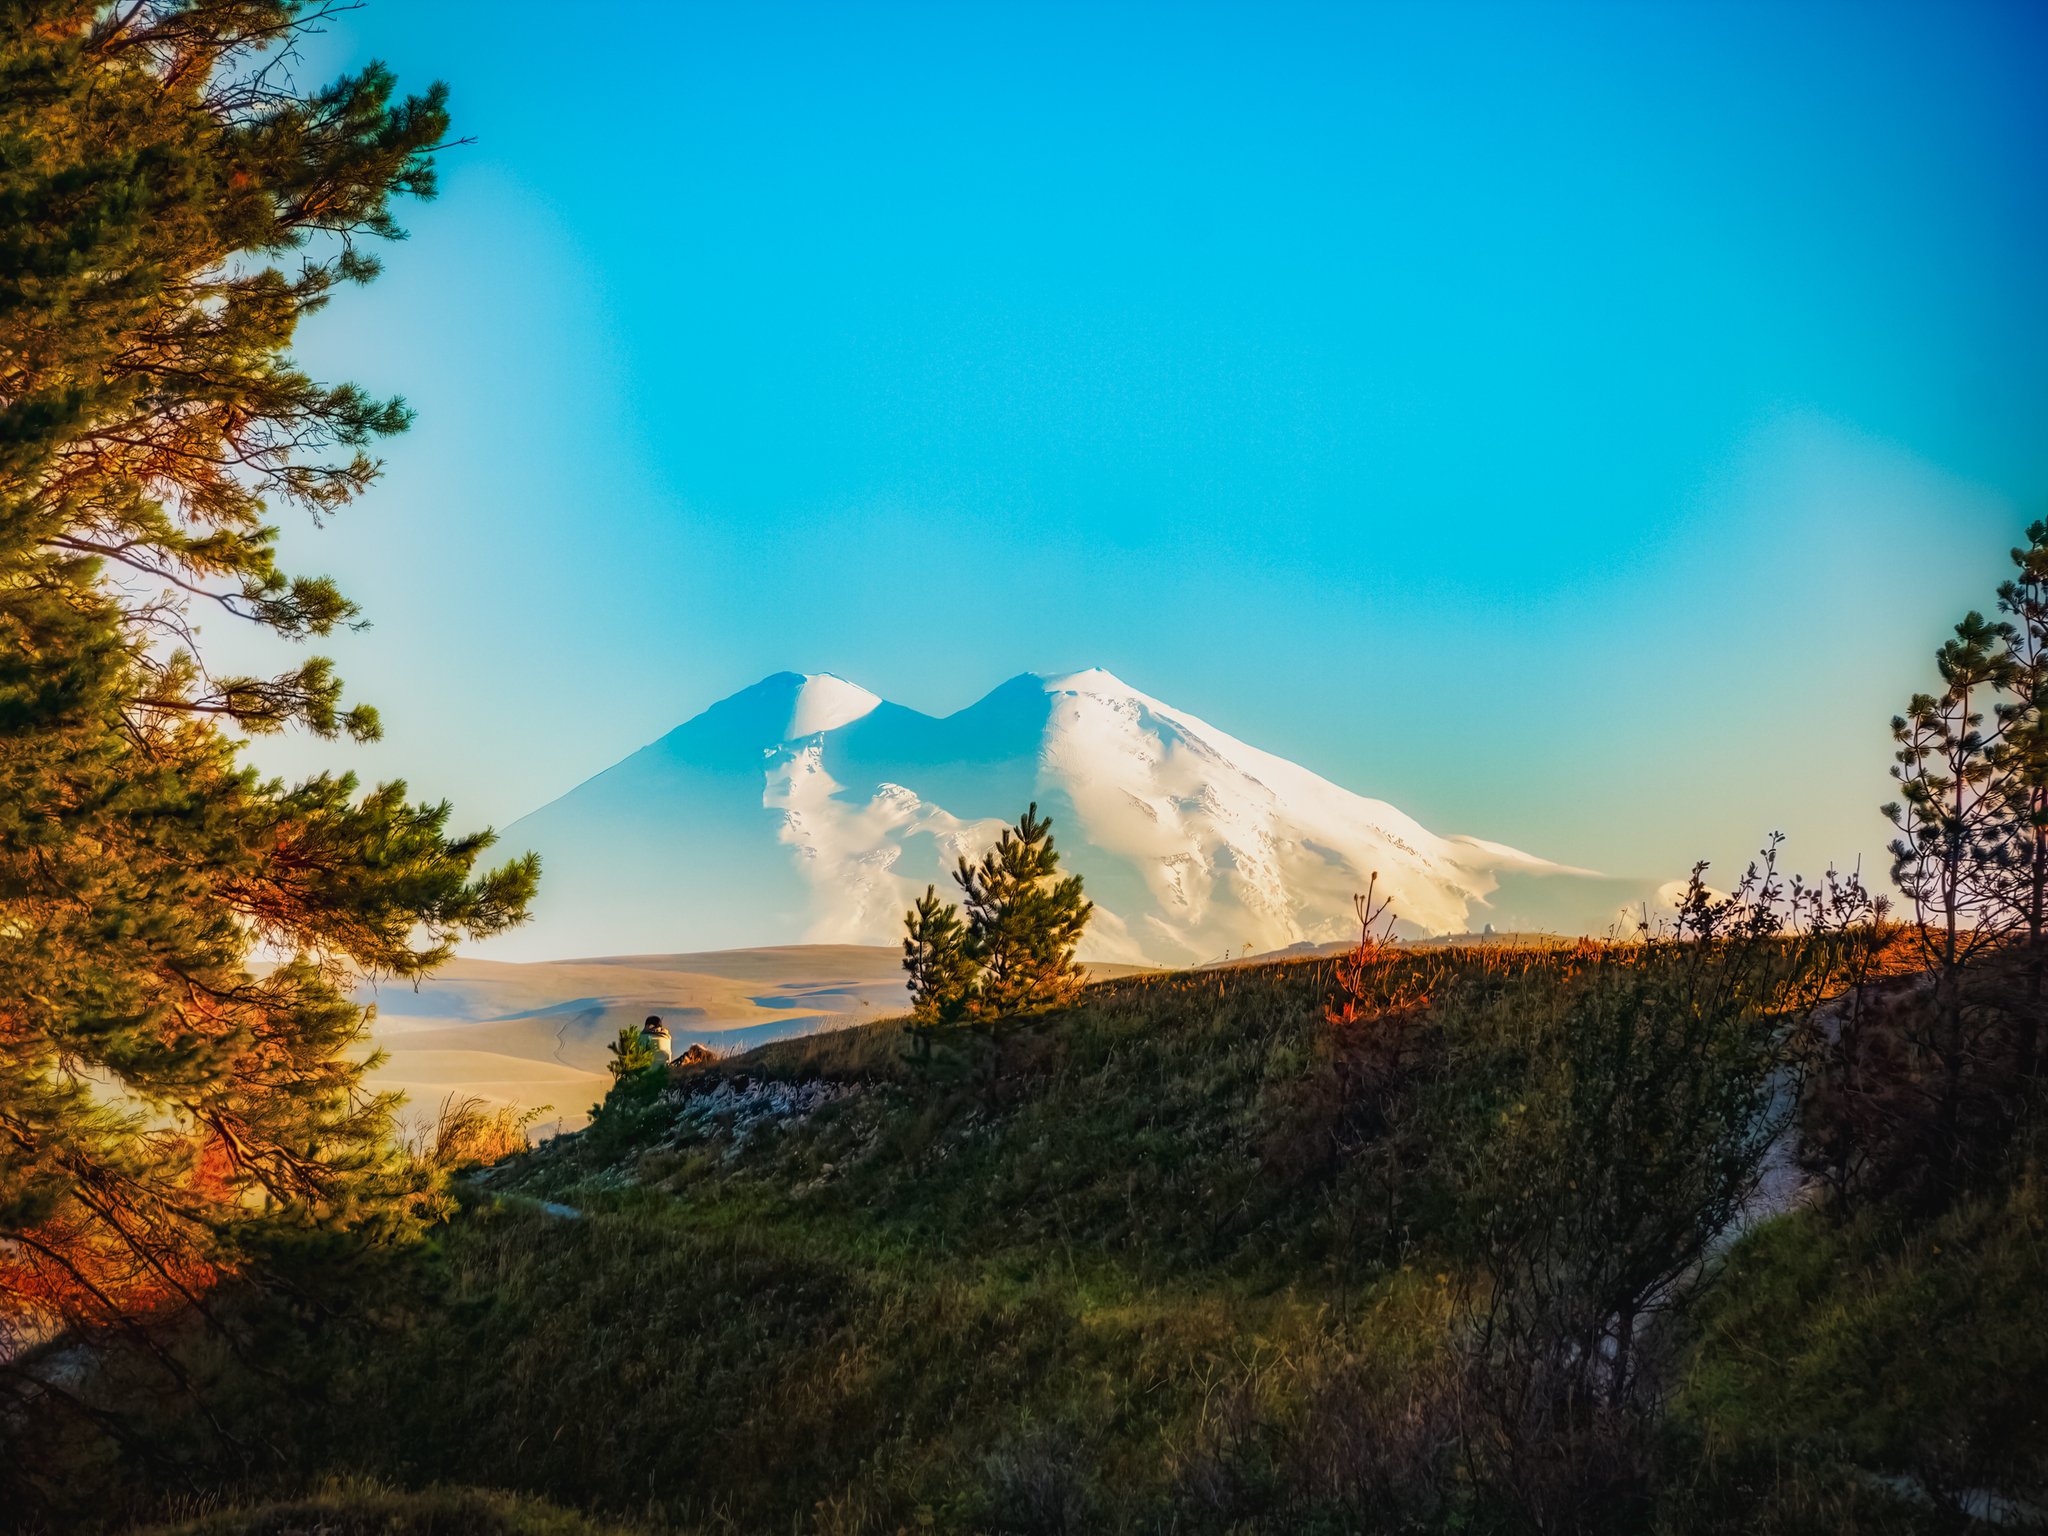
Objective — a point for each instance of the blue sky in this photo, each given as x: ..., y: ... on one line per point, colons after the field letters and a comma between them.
x: 1574, y: 424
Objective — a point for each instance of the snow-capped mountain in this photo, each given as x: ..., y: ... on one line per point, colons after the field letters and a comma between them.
x: 805, y: 809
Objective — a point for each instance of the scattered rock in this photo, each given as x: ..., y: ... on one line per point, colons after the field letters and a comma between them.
x: 751, y: 1103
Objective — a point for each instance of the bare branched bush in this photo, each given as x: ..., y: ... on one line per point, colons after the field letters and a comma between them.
x: 1649, y: 1083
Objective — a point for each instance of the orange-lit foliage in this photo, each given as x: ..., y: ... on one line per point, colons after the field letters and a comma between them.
x: 169, y: 1115
x: 128, y: 1258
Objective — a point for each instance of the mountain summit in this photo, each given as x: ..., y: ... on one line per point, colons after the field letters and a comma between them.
x: 807, y: 809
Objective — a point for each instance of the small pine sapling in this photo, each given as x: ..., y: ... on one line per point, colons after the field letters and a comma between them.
x: 631, y: 1055
x: 942, y: 974
x: 935, y: 954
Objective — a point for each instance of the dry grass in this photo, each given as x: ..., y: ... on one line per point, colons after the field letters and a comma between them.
x: 467, y: 1133
x: 358, y: 1508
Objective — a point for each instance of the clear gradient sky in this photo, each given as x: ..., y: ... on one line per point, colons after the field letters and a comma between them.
x: 1574, y: 424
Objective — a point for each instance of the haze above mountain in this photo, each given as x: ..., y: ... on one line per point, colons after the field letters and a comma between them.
x: 806, y: 809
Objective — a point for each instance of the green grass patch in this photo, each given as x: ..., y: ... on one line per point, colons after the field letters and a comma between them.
x: 1186, y: 1257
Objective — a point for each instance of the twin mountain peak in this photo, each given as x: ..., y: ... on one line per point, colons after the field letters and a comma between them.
x: 806, y: 809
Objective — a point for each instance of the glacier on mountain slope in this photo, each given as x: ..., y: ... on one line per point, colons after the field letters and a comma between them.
x: 806, y: 809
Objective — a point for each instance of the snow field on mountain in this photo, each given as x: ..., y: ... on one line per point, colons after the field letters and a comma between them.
x: 807, y: 809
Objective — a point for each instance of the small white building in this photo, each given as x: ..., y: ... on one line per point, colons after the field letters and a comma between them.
x: 655, y: 1033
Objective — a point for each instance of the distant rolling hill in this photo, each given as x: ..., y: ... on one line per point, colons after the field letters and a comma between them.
x: 537, y: 1033
x: 807, y: 809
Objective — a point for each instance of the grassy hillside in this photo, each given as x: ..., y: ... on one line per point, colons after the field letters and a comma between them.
x: 1190, y: 1257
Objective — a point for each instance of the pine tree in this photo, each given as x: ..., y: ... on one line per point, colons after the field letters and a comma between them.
x: 170, y: 1112
x: 1950, y: 859
x: 2022, y: 761
x: 1023, y: 923
x: 1952, y: 822
x: 1013, y: 957
x: 935, y: 954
